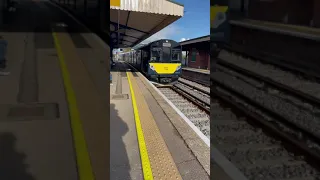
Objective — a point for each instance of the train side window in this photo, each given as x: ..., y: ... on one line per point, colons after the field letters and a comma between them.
x: 176, y: 55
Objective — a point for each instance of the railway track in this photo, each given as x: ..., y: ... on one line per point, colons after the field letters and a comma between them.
x: 275, y: 61
x: 193, y: 100
x: 307, y: 88
x: 202, y: 80
x: 266, y: 135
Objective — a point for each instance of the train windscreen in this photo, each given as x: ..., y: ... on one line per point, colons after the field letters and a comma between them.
x: 166, y: 54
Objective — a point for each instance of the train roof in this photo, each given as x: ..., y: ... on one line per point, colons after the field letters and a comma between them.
x: 160, y: 40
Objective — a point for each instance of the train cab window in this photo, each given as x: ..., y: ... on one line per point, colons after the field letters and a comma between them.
x: 155, y: 54
x: 176, y: 55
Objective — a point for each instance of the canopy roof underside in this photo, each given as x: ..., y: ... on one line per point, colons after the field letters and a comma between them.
x: 140, y: 19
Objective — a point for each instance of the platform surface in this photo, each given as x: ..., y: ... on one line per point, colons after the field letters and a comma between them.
x: 124, y: 150
x: 163, y: 141
x: 287, y: 29
x: 204, y: 71
x: 46, y: 132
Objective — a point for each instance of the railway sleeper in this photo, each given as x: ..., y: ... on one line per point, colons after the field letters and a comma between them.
x: 183, y: 102
x: 192, y: 110
x: 220, y: 108
x: 230, y: 125
x: 249, y: 152
x: 278, y: 168
x: 241, y: 137
x: 214, y: 105
x: 298, y: 178
x: 222, y: 116
x: 196, y: 115
x: 202, y: 123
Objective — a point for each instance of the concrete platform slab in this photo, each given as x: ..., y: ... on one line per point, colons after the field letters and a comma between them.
x: 42, y: 147
x: 33, y: 148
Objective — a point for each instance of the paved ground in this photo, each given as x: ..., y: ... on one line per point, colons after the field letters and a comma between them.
x: 35, y: 133
x: 124, y: 150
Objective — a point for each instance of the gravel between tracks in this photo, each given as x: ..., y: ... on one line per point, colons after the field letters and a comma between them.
x: 275, y: 73
x: 291, y: 112
x: 246, y: 152
x: 194, y: 84
x: 199, y: 95
x: 271, y: 90
x: 198, y: 117
x: 257, y: 155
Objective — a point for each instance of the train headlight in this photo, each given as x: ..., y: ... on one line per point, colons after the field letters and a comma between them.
x: 178, y: 68
x: 152, y: 67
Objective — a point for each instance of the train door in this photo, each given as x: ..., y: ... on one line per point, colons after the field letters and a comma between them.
x: 133, y: 58
x: 145, y: 61
x: 138, y: 59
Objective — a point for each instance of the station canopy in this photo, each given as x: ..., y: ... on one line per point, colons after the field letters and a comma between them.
x: 140, y: 19
x: 200, y: 42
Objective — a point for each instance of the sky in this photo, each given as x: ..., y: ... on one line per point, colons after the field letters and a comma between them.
x: 195, y: 23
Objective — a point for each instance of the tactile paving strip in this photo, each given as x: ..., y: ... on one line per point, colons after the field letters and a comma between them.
x: 162, y: 163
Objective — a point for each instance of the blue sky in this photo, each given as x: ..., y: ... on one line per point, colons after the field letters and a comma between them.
x: 194, y: 23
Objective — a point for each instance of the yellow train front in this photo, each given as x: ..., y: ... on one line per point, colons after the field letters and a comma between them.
x: 160, y: 60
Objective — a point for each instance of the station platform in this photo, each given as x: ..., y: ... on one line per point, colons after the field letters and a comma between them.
x: 204, y: 71
x: 54, y: 115
x: 286, y: 29
x: 200, y: 76
x: 148, y: 137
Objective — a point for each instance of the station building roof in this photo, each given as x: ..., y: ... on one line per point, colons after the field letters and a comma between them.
x: 140, y: 19
x: 196, y: 42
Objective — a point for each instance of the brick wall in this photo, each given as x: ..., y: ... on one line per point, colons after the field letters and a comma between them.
x: 202, y: 60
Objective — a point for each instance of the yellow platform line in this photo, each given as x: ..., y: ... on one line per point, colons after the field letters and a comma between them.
x: 146, y: 167
x: 83, y: 160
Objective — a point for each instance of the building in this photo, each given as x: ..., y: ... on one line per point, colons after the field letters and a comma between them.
x: 197, y: 52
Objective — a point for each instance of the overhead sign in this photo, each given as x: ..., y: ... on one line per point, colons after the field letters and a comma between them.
x: 115, y: 3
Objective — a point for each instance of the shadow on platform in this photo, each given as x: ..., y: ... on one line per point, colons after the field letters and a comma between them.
x: 44, y: 15
x: 122, y: 67
x: 12, y: 165
x: 44, y: 19
x: 119, y: 161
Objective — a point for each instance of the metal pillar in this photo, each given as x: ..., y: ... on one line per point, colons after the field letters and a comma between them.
x: 85, y: 7
x: 103, y: 16
x: 2, y: 11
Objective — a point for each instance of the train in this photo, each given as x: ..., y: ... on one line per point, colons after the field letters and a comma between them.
x: 219, y: 29
x: 159, y: 61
